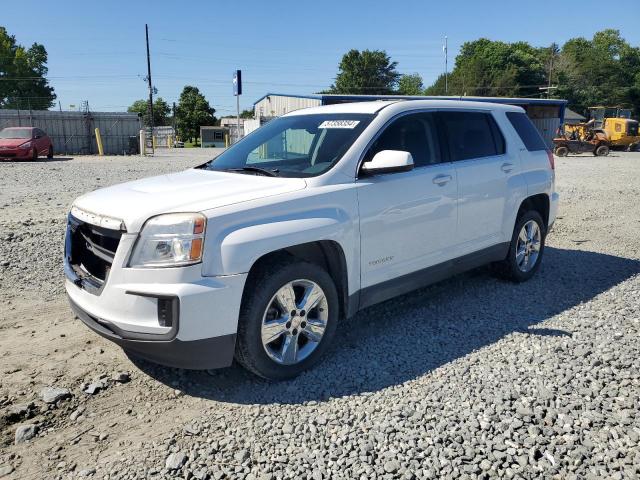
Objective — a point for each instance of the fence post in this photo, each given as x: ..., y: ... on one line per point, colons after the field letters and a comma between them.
x: 143, y: 143
x: 64, y: 132
x: 99, y: 142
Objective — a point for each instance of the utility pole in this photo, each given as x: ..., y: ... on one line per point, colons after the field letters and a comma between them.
x: 446, y: 66
x: 174, y: 118
x: 146, y: 31
x: 549, y: 87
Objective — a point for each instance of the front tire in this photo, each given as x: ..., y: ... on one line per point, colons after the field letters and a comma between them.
x: 602, y: 151
x: 526, y: 248
x: 34, y: 154
x: 289, y: 315
x: 50, y: 152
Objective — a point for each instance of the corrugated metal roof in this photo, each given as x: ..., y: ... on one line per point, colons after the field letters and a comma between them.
x: 571, y: 115
x: 359, y: 98
x: 312, y: 97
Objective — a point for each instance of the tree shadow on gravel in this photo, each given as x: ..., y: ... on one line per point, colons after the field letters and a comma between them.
x: 404, y: 338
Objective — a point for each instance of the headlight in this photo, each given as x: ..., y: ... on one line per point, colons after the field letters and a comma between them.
x: 26, y: 144
x: 170, y: 240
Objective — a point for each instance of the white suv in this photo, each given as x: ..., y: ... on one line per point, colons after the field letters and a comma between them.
x: 259, y: 253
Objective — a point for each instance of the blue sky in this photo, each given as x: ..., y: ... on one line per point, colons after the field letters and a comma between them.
x: 97, y: 51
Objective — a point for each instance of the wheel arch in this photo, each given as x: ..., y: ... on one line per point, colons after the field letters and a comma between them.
x: 327, y: 254
x: 539, y: 202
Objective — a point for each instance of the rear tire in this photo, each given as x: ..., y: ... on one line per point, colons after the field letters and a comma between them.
x: 525, y: 250
x: 601, y: 151
x: 275, y: 330
x: 561, y: 151
x: 50, y: 152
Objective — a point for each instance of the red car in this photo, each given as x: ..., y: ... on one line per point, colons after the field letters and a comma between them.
x: 24, y: 143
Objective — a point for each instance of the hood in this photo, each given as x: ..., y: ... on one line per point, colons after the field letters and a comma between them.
x: 13, y: 142
x: 189, y: 191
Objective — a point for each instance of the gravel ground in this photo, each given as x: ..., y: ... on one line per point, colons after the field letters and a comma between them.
x: 469, y: 378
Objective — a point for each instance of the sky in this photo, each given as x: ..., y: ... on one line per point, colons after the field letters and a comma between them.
x: 97, y: 49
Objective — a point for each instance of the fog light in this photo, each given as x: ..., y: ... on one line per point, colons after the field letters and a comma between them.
x: 167, y: 311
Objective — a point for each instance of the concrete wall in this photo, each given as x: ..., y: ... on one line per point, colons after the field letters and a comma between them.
x: 73, y: 132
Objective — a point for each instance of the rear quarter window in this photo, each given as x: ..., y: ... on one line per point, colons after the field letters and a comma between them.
x: 527, y: 132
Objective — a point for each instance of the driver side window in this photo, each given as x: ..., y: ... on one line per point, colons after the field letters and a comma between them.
x: 415, y: 133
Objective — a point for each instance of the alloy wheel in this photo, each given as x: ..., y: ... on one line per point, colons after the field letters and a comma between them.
x: 294, y: 322
x: 528, y: 246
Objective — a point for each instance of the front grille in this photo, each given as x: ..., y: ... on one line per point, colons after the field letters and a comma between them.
x: 7, y: 154
x: 90, y: 251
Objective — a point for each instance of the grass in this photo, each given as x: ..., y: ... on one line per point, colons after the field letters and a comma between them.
x: 192, y: 144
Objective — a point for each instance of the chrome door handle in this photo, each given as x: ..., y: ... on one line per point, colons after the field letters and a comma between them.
x: 506, y: 167
x: 442, y: 179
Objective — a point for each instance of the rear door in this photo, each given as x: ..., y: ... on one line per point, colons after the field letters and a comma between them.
x: 484, y: 171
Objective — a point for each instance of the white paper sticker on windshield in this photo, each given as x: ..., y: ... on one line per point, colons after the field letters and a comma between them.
x: 339, y: 124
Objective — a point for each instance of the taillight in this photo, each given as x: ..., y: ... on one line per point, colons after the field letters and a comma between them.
x: 552, y: 161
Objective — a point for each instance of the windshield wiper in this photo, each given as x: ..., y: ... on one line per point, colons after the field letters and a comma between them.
x: 263, y: 171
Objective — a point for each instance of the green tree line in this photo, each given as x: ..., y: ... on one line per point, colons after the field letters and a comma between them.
x: 603, y: 70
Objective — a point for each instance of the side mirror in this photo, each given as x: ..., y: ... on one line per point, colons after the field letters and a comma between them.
x: 388, y: 161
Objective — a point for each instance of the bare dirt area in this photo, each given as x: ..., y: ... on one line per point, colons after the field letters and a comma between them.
x: 470, y: 378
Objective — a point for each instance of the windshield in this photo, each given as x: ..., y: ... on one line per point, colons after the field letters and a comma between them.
x: 295, y: 146
x: 15, y: 133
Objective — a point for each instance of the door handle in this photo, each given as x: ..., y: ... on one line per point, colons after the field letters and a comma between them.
x: 442, y: 180
x: 506, y: 167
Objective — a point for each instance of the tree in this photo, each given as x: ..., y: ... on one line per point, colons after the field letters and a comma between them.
x: 247, y: 114
x: 491, y: 68
x: 370, y: 72
x: 410, y: 85
x: 192, y: 112
x: 23, y: 73
x: 161, y: 111
x: 602, y: 71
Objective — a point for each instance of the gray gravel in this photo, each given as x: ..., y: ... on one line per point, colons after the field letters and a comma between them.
x: 469, y: 378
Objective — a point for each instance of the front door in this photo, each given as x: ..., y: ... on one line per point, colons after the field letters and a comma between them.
x: 408, y: 219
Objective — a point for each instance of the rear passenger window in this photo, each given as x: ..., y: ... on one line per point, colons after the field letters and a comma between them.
x: 471, y: 135
x: 528, y: 133
x: 414, y: 133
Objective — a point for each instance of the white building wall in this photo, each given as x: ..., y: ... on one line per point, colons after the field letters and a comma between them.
x: 276, y: 105
x: 250, y: 125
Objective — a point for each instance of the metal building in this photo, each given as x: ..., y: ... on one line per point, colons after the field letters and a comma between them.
x: 546, y: 114
x: 74, y: 132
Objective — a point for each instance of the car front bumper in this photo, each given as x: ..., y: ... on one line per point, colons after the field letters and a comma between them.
x: 215, y: 352
x: 172, y: 316
x: 14, y: 153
